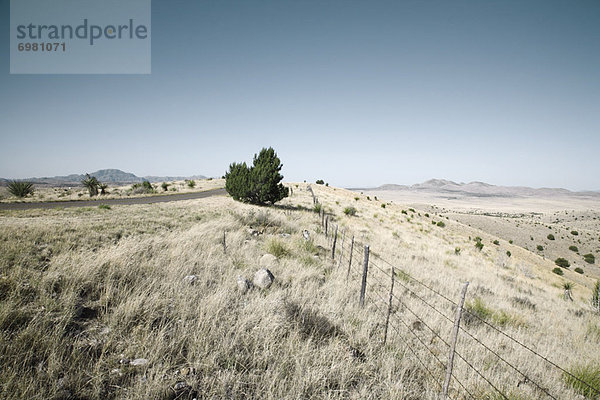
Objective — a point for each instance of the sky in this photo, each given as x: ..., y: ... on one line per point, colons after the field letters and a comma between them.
x: 358, y: 93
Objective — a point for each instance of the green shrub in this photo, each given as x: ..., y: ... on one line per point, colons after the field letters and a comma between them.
x: 479, y: 245
x: 457, y: 251
x: 351, y: 211
x: 510, y: 241
x: 496, y: 242
x: 540, y: 247
x: 320, y: 182
x: 382, y: 205
x: 259, y: 184
x: 432, y: 222
x: 411, y: 209
x: 562, y: 262
x: 190, y: 183
x: 317, y: 208
x: 357, y: 198
x: 508, y: 253
x: 477, y: 239
x: 165, y: 186
x: 579, y: 270
x: 550, y: 237
x: 368, y: 198
x: 558, y: 271
x: 277, y: 248
x: 404, y: 212
x: 589, y: 258
x: 574, y: 233
x: 588, y: 373
x: 573, y: 248
x: 426, y: 215
x: 104, y: 207
x: 20, y: 188
x: 441, y: 224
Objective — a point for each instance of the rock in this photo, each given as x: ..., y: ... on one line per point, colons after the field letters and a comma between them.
x: 138, y: 362
x: 191, y: 279
x: 284, y: 235
x: 306, y: 234
x: 263, y: 278
x: 268, y: 260
x: 243, y: 284
x: 180, y: 386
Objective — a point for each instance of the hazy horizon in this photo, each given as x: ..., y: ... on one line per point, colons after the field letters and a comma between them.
x: 358, y: 94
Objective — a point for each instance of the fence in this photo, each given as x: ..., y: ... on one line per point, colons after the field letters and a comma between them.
x: 379, y: 277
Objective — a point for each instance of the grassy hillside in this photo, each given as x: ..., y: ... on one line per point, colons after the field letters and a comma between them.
x: 99, y: 303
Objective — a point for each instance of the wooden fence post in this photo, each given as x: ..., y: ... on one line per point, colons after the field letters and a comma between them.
x: 326, y: 226
x: 459, y: 310
x: 363, y: 286
x: 224, y: 244
x: 389, y: 311
x: 350, y: 262
x: 322, y: 217
x: 334, y: 242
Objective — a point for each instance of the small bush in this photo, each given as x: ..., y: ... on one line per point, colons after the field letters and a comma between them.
x: 573, y: 248
x: 382, y: 205
x: 589, y: 373
x: 357, y: 198
x: 277, y: 248
x: 350, y: 211
x: 479, y: 245
x: 508, y: 253
x: 411, y: 209
x: 426, y: 215
x: 317, y: 208
x: 20, y: 188
x: 558, y: 271
x: 191, y: 183
x: 441, y: 224
x: 562, y: 262
x: 550, y: 237
x: 368, y: 198
x: 540, y: 247
x: 510, y: 241
x: 320, y: 182
x: 589, y: 258
x: 457, y: 251
x: 104, y: 207
x: 497, y: 243
x: 165, y: 186
x: 579, y: 270
x: 432, y: 222
x: 404, y: 212
x: 574, y: 233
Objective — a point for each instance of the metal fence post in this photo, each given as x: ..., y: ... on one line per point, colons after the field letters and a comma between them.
x: 459, y: 310
x: 350, y: 262
x: 334, y: 242
x: 363, y: 286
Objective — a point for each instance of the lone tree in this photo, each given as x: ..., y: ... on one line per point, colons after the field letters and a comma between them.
x: 259, y: 184
x: 92, y: 184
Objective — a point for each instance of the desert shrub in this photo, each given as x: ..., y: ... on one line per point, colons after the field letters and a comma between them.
x: 579, y: 270
x: 432, y: 222
x: 508, y: 253
x: 357, y: 198
x: 104, y: 207
x: 259, y: 184
x: 589, y: 258
x: 91, y: 183
x: 277, y: 248
x: 317, y: 208
x: 574, y: 233
x: 320, y: 182
x: 477, y: 239
x: 404, y: 212
x: 540, y: 247
x: 143, y: 187
x: 479, y: 245
x: 427, y: 215
x: 411, y: 209
x: 478, y: 308
x: 368, y: 198
x: 562, y: 262
x: 457, y: 251
x: 510, y: 241
x: 382, y: 205
x: 165, y: 186
x: 558, y: 271
x: 441, y: 224
x: 496, y: 242
x: 588, y: 373
x: 351, y: 211
x: 20, y: 188
x: 573, y: 248
x: 550, y: 236
x: 190, y: 183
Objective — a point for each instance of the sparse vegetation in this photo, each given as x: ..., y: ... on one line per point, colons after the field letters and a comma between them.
x: 589, y: 258
x: 320, y: 182
x: 104, y: 207
x: 277, y: 248
x: 574, y: 248
x: 574, y: 233
x: 190, y: 183
x: 350, y: 211
x: 20, y: 188
x: 550, y: 236
x: 540, y: 247
x: 562, y: 262
x: 496, y: 242
x: 441, y: 224
x: 589, y: 373
x: 558, y: 271
x: 578, y: 270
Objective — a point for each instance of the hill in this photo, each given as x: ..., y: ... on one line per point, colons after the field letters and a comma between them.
x: 113, y: 176
x: 144, y: 301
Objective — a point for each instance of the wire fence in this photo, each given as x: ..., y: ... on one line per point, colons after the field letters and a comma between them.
x: 377, y: 271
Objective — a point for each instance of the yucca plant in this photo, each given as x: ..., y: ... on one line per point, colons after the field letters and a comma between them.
x: 92, y: 184
x: 103, y: 187
x: 567, y: 286
x: 20, y: 188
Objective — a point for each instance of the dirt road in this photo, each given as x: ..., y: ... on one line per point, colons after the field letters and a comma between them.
x: 127, y: 201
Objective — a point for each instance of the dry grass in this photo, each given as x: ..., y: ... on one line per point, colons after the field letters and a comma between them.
x: 83, y: 289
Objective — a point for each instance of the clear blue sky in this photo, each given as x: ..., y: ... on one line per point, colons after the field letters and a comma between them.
x: 356, y: 93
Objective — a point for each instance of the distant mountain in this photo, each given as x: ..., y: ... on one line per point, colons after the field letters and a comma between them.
x: 482, y: 189
x: 111, y: 176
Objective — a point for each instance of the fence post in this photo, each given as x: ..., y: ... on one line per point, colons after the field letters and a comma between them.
x: 342, y: 251
x: 334, y: 242
x: 224, y: 244
x: 389, y: 311
x: 363, y: 286
x: 322, y: 217
x: 350, y: 262
x: 326, y: 226
x: 459, y: 310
